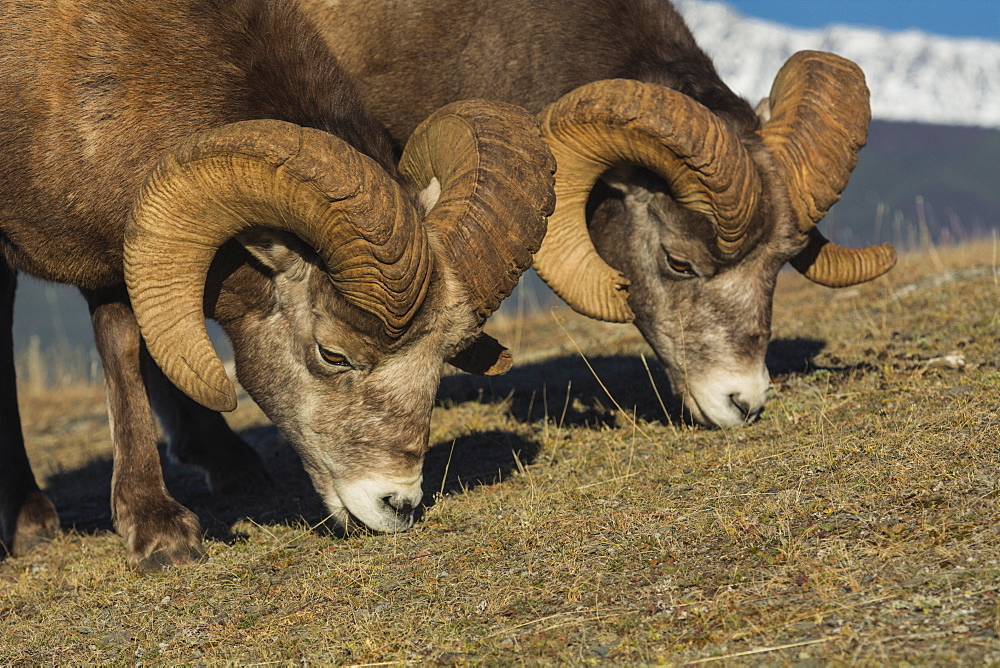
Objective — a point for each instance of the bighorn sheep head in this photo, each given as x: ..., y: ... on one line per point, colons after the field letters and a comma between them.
x: 368, y: 295
x: 756, y: 197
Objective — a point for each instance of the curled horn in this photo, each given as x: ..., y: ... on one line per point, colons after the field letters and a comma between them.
x: 495, y: 175
x: 819, y: 115
x: 619, y: 121
x: 269, y: 174
x: 826, y: 263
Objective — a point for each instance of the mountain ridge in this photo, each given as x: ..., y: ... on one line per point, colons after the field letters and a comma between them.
x: 913, y: 76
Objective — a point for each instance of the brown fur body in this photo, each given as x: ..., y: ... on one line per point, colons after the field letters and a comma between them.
x: 408, y: 55
x: 94, y: 92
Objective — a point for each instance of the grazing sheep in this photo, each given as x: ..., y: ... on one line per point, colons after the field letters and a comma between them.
x: 176, y: 160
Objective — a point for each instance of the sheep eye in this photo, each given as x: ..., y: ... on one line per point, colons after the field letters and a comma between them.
x: 683, y: 268
x: 332, y: 358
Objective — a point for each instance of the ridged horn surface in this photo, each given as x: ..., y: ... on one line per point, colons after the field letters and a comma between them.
x: 619, y: 121
x: 264, y: 174
x: 495, y: 174
x: 834, y: 266
x: 818, y: 124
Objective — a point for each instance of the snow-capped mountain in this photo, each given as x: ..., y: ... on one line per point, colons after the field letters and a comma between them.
x: 913, y: 76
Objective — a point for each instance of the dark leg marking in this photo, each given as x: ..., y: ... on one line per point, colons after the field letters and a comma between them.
x: 27, y: 517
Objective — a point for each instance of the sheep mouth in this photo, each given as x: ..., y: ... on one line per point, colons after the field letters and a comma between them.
x: 375, y: 506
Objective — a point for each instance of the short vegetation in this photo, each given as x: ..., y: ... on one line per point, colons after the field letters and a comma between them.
x: 572, y: 516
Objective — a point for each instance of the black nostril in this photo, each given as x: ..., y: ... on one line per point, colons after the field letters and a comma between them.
x: 744, y: 408
x: 399, y: 507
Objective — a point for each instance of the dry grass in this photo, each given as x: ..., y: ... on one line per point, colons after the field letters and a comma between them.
x: 856, y: 523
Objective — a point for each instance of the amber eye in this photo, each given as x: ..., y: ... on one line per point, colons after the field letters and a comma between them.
x: 679, y: 267
x: 332, y: 358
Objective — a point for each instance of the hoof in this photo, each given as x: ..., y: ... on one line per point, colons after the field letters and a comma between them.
x: 163, y: 559
x: 37, y: 523
x: 166, y: 536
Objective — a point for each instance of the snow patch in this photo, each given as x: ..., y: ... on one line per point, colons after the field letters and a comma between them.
x: 912, y: 75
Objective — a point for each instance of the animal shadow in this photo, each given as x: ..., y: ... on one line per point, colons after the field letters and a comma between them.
x: 83, y: 495
x: 481, y: 458
x: 569, y: 392
x: 787, y: 356
x: 572, y: 391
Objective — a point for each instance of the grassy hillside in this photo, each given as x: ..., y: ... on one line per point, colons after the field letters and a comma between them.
x: 576, y: 520
x: 915, y: 180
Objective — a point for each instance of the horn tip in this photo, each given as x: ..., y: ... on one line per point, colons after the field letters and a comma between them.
x: 889, y: 257
x: 219, y: 399
x: 502, y: 365
x: 485, y: 356
x: 216, y: 393
x: 614, y: 307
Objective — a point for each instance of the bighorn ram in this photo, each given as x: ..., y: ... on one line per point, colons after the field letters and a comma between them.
x: 676, y: 204
x: 188, y: 158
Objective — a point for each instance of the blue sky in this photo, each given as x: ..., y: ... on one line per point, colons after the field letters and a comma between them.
x: 960, y: 18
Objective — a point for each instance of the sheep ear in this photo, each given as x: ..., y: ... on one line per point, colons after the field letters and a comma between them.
x: 621, y: 179
x: 763, y: 110
x: 485, y: 356
x: 430, y: 195
x: 635, y: 184
x: 278, y: 251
